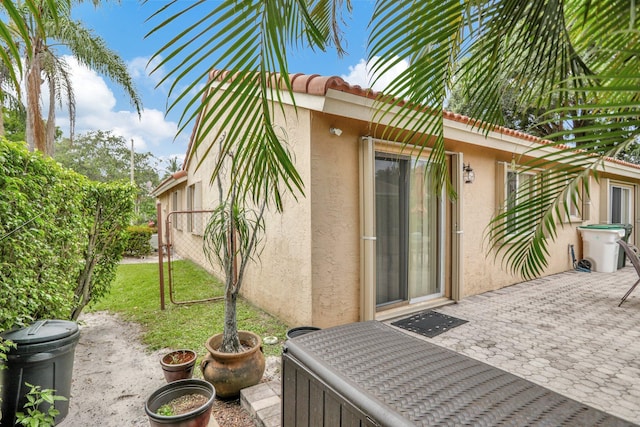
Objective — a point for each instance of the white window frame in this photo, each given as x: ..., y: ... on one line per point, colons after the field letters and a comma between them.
x: 176, y: 205
x: 628, y: 189
x: 578, y: 212
x: 194, y: 203
x: 507, y: 193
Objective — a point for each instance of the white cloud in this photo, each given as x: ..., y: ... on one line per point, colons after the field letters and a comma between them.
x: 140, y: 69
x: 96, y: 110
x: 360, y: 74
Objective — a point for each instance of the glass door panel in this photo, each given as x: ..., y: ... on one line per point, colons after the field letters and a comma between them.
x: 408, y: 224
x: 423, y: 235
x: 391, y: 212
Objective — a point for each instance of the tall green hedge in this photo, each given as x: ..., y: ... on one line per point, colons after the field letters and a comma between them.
x: 56, y: 227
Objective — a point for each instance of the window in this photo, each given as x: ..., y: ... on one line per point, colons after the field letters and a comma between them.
x: 190, y: 195
x: 520, y: 190
x: 620, y: 206
x: 194, y: 203
x: 574, y: 211
x: 578, y: 205
x: 175, y: 207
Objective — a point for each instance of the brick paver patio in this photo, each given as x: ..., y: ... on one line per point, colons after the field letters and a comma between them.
x: 564, y: 332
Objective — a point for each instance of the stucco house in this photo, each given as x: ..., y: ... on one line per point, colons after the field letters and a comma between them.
x: 348, y: 251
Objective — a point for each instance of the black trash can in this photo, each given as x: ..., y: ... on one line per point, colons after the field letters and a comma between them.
x: 44, y: 356
x: 300, y: 330
x: 622, y: 259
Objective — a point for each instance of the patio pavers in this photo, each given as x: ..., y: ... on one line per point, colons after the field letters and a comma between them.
x: 564, y: 332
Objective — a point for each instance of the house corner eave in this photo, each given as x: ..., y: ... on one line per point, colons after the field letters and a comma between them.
x: 169, y: 183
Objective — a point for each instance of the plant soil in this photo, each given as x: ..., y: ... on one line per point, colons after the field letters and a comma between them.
x: 177, y: 357
x: 187, y: 403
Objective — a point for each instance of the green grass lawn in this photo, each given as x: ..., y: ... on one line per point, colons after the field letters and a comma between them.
x: 135, y: 295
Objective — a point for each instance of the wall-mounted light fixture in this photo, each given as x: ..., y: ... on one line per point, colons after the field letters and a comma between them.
x: 335, y: 131
x: 468, y: 174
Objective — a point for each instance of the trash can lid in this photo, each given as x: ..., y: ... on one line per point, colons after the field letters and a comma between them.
x: 625, y: 226
x: 603, y: 226
x: 42, y: 331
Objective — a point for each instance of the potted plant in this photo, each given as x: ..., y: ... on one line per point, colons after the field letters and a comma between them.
x: 178, y: 364
x: 182, y: 403
x: 231, y: 240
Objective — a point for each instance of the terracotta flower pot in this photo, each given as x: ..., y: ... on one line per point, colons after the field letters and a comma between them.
x: 198, y: 417
x: 231, y: 372
x: 178, y: 364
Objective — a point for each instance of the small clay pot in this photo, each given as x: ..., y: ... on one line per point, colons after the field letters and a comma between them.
x: 178, y: 365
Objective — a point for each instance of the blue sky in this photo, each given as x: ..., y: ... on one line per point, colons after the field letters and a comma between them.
x: 101, y: 105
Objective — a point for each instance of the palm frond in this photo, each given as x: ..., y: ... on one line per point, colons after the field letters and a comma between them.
x: 555, y: 53
x: 405, y: 30
x: 91, y: 50
x: 249, y: 41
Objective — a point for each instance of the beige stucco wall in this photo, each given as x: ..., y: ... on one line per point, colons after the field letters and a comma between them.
x: 309, y: 270
x: 280, y: 282
x: 335, y: 221
x: 482, y: 270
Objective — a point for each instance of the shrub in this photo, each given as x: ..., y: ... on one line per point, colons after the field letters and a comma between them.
x: 57, y: 234
x: 138, y: 240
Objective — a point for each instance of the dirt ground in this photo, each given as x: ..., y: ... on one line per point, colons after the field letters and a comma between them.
x: 113, y: 375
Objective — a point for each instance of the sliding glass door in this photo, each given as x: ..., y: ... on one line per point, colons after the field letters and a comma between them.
x: 408, y: 224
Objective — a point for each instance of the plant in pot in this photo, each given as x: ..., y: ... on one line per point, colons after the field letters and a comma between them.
x: 231, y: 240
x: 178, y: 364
x: 182, y: 403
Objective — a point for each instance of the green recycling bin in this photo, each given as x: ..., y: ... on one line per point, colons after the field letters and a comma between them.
x: 622, y: 259
x: 43, y: 356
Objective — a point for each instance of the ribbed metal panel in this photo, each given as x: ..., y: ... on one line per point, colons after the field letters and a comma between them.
x: 366, y: 374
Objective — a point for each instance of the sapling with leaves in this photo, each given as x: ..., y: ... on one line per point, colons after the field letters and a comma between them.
x: 33, y: 416
x: 231, y: 239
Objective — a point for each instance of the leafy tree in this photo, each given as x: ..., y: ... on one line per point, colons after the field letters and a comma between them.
x: 47, y: 27
x: 104, y: 157
x: 573, y: 60
x: 15, y: 120
x: 529, y: 118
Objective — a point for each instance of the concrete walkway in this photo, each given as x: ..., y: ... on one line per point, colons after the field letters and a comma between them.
x: 564, y: 332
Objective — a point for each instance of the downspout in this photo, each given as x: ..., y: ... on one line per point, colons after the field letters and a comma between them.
x: 367, y: 230
x: 457, y: 267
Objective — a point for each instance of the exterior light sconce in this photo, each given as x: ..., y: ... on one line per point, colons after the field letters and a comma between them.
x: 335, y: 131
x: 468, y: 174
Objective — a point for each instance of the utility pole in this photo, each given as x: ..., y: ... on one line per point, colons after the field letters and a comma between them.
x: 132, y: 179
x: 133, y: 182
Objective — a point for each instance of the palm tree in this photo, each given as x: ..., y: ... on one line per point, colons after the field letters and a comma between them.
x: 174, y: 165
x: 17, y: 33
x: 45, y: 29
x: 575, y: 60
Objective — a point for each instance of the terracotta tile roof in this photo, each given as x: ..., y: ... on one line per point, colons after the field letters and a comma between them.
x: 315, y: 84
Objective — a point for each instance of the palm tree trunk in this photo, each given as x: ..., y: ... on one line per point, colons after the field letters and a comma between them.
x: 35, y: 132
x: 50, y: 130
x: 230, y: 340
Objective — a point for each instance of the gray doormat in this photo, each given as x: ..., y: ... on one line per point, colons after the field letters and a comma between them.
x: 429, y: 323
